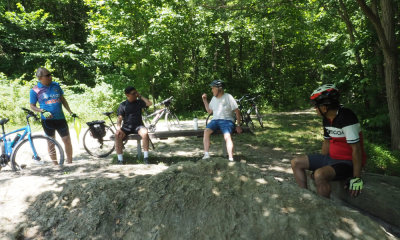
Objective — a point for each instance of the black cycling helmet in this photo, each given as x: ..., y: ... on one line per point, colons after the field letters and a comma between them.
x: 217, y: 83
x: 326, y: 94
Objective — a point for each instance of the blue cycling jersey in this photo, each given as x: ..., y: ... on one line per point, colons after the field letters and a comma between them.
x: 49, y: 98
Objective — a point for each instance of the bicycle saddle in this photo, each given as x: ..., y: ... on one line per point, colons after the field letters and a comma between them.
x: 107, y: 113
x: 4, y: 121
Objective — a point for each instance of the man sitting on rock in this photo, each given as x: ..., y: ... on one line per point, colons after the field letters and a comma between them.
x: 224, y: 108
x: 342, y: 153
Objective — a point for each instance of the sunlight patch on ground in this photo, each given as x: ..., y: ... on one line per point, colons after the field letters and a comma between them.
x: 339, y: 233
x: 281, y: 169
x: 353, y: 225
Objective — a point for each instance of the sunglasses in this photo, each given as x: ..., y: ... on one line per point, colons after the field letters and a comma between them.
x: 47, y: 75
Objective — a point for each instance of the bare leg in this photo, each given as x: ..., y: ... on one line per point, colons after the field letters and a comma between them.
x: 229, y: 144
x: 206, y: 139
x: 52, y: 152
x: 322, y: 177
x: 68, y: 148
x: 299, y: 165
x: 119, y: 136
x: 145, y: 138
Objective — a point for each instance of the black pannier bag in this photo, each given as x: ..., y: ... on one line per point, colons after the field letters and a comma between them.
x: 97, y: 128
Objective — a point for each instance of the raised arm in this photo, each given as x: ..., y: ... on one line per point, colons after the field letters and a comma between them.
x: 206, y: 105
x: 146, y: 100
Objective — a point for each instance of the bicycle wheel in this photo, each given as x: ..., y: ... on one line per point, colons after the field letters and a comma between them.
x: 48, y: 150
x: 172, y: 121
x: 249, y: 122
x: 259, y: 117
x: 99, y: 147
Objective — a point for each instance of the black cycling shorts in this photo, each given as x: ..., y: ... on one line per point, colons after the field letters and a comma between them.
x: 50, y: 127
x: 132, y: 131
x: 343, y: 168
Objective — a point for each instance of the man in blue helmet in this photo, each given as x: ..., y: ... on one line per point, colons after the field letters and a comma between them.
x: 342, y: 155
x: 224, y: 108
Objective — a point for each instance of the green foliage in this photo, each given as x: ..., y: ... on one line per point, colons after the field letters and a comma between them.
x: 382, y: 160
x: 14, y: 94
x: 91, y: 102
x: 88, y: 103
x: 281, y: 50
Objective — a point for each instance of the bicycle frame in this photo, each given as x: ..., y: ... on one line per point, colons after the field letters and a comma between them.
x: 27, y: 132
x: 158, y: 114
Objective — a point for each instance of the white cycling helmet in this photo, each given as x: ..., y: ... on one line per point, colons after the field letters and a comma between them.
x: 325, y: 95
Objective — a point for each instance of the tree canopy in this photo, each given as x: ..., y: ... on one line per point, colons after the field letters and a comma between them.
x: 279, y: 49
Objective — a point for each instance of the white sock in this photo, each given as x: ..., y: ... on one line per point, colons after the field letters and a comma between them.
x: 230, y: 159
x: 206, y: 154
x: 120, y: 157
x: 146, y: 154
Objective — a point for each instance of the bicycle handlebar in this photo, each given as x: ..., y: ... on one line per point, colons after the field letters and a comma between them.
x: 247, y: 98
x: 30, y: 114
x: 168, y: 100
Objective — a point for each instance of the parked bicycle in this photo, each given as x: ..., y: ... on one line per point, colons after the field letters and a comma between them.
x: 27, y: 150
x: 99, y: 140
x: 246, y: 105
x: 171, y: 120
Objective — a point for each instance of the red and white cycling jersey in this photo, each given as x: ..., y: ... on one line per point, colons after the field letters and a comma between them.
x: 341, y: 132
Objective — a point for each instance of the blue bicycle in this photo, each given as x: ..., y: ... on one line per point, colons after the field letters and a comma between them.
x: 26, y: 151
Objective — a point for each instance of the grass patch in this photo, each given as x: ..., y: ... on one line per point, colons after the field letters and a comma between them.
x: 382, y: 160
x: 303, y: 133
x: 297, y: 134
x: 130, y: 158
x: 300, y: 133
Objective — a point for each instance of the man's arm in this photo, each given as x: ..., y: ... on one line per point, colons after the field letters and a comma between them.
x: 206, y: 105
x: 147, y: 101
x: 35, y: 108
x: 356, y: 183
x: 357, y: 159
x: 325, y: 147
x: 65, y: 104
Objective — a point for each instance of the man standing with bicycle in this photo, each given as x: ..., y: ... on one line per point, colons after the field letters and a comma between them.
x: 130, y: 121
x: 223, y: 107
x: 51, y: 99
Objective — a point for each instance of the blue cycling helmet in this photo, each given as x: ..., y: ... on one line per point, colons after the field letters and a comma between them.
x: 217, y: 83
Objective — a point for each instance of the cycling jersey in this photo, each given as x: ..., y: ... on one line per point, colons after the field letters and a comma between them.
x: 131, y: 113
x: 341, y: 132
x: 49, y: 98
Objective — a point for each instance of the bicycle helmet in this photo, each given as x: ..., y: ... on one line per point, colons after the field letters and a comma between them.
x: 326, y: 94
x: 217, y: 83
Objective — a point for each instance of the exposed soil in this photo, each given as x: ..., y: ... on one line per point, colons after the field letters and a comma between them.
x: 193, y: 199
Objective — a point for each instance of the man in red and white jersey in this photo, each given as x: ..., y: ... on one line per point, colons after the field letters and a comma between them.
x: 342, y: 154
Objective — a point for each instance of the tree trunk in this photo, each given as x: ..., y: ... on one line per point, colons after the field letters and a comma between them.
x: 228, y: 63
x: 385, y: 29
x: 350, y: 28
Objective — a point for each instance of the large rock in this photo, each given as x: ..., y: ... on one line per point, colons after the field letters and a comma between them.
x: 380, y: 197
x: 204, y: 200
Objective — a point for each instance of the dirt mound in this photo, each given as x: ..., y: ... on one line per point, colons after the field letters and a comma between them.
x: 204, y: 200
